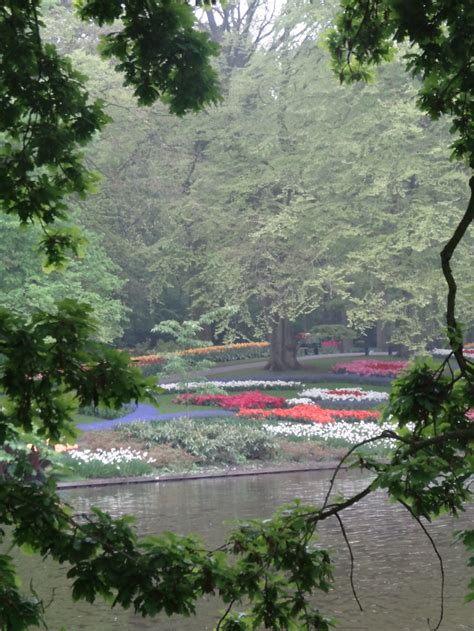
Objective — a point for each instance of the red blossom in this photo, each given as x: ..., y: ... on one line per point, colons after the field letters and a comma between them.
x: 233, y: 401
x: 341, y: 392
x: 371, y: 367
x: 314, y: 413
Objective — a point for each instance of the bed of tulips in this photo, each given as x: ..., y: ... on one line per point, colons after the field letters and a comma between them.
x: 233, y: 384
x: 346, y: 395
x: 468, y: 351
x: 371, y: 367
x: 233, y: 401
x: 227, y: 352
x: 345, y: 403
x: 342, y: 432
x: 310, y: 412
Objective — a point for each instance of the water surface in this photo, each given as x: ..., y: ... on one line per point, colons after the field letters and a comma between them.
x: 397, y: 573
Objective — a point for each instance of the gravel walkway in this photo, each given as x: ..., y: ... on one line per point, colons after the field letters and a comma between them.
x: 146, y: 412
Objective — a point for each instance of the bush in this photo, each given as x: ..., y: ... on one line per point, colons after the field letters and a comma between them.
x: 211, y: 443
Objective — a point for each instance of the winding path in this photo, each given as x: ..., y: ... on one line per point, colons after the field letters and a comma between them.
x: 146, y: 412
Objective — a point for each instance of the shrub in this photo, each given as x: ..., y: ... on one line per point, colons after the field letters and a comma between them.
x: 211, y: 443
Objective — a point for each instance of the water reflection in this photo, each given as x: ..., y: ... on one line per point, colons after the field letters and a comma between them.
x: 397, y: 573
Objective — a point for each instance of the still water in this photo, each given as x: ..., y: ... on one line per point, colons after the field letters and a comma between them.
x: 397, y: 574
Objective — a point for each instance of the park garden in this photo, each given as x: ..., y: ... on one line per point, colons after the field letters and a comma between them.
x: 234, y: 252
x: 229, y: 423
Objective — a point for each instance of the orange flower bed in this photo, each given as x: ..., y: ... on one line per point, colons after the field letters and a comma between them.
x: 204, y: 350
x: 147, y: 360
x: 313, y: 413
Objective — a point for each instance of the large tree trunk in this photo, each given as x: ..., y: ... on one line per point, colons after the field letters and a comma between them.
x: 283, y: 347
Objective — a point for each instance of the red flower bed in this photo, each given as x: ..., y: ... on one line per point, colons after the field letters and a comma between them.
x: 371, y: 367
x: 233, y: 401
x: 353, y: 392
x: 314, y: 413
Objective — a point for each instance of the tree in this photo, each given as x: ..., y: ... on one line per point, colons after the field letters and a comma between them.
x: 270, y: 563
x: 25, y: 287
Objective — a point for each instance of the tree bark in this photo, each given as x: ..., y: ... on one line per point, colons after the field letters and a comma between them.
x: 453, y: 328
x: 283, y: 347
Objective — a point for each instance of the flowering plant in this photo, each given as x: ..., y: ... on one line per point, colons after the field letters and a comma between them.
x: 351, y: 433
x: 235, y: 384
x: 225, y: 352
x: 344, y: 394
x: 313, y: 413
x: 468, y: 350
x: 371, y: 367
x: 233, y: 401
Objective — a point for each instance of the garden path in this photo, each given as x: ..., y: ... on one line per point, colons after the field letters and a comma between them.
x: 219, y: 369
x: 146, y: 412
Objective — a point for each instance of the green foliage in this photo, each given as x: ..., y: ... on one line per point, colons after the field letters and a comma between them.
x: 48, y: 362
x: 158, y: 51
x: 46, y: 116
x: 467, y: 537
x: 367, y: 32
x: 92, y: 279
x: 332, y: 332
x: 211, y: 443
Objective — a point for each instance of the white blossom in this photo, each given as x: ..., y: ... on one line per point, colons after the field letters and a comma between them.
x: 112, y: 456
x: 352, y: 433
x: 246, y: 384
x: 343, y: 394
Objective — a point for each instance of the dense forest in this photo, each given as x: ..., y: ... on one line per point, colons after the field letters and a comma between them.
x: 267, y: 204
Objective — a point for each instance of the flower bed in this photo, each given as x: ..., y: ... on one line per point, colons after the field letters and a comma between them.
x: 233, y: 401
x: 247, y: 384
x: 468, y: 351
x: 101, y: 463
x: 347, y: 395
x: 227, y: 352
x: 312, y: 413
x: 351, y: 433
x: 371, y: 367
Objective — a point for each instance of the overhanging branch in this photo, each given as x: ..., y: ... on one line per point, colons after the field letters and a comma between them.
x: 446, y: 255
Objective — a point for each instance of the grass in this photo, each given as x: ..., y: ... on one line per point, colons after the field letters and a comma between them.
x: 313, y: 366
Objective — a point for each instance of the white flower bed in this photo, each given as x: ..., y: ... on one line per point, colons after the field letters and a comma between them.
x: 344, y: 394
x: 444, y: 352
x: 111, y: 457
x: 353, y: 433
x: 299, y: 401
x: 248, y: 384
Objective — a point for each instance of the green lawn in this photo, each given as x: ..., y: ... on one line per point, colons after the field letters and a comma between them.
x: 308, y: 368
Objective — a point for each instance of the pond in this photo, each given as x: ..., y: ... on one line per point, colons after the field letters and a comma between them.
x: 397, y: 573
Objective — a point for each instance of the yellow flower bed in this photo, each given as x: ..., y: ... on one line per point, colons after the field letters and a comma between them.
x: 143, y: 360
x: 227, y: 347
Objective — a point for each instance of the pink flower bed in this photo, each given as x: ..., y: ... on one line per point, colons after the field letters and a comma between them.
x: 313, y: 413
x: 371, y: 367
x: 233, y: 401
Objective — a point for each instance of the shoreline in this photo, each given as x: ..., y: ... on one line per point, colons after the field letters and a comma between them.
x: 181, y: 477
